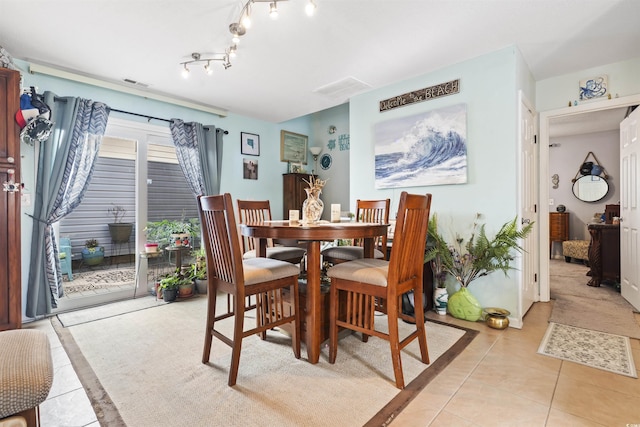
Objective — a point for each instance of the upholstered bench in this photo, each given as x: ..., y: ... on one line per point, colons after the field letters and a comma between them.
x: 26, y: 375
x: 576, y: 249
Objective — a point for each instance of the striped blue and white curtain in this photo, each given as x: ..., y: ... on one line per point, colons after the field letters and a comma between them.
x: 65, y: 165
x: 199, y: 151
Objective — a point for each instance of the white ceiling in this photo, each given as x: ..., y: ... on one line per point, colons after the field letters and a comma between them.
x: 281, y: 64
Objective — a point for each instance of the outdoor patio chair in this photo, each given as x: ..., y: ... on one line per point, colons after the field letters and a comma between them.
x: 64, y: 252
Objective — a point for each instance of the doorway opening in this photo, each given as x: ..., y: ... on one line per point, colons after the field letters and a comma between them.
x: 548, y: 120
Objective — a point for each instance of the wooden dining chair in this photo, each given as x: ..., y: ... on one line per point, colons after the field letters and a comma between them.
x: 259, y: 211
x: 227, y: 272
x: 366, y: 211
x: 366, y: 280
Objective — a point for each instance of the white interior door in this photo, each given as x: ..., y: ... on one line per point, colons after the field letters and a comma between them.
x: 528, y: 205
x: 629, y: 212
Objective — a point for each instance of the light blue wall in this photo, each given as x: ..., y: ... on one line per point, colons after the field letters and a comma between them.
x: 558, y: 92
x: 489, y: 88
x: 336, y: 190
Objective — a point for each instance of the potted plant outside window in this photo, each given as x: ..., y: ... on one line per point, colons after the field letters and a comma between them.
x: 171, y: 285
x: 120, y: 231
x: 92, y: 253
x: 466, y: 259
x: 198, y: 271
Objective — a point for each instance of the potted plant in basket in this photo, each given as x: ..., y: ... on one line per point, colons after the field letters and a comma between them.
x: 473, y: 257
x: 93, y: 253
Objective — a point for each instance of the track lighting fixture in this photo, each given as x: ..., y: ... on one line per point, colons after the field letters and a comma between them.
x: 310, y: 8
x: 197, y: 59
x: 237, y: 30
x: 273, y: 10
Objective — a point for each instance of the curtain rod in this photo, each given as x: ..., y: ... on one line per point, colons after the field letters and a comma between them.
x: 226, y: 132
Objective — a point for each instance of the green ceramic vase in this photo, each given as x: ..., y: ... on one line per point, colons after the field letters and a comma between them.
x: 463, y: 305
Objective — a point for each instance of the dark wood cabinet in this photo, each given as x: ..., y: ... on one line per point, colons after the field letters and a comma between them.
x: 10, y: 252
x: 293, y: 185
x: 604, y: 253
x: 558, y: 227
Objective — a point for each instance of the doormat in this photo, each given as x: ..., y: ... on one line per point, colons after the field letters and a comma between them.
x: 590, y: 348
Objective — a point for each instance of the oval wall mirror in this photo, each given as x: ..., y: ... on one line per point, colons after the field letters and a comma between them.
x: 590, y: 188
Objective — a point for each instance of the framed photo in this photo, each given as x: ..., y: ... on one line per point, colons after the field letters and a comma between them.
x: 250, y: 144
x: 249, y: 169
x: 293, y: 147
x: 295, y: 168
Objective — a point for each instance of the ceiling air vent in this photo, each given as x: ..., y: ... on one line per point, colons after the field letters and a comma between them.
x: 342, y: 89
x: 135, y: 83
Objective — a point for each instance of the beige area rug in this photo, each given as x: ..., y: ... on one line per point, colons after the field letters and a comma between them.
x: 591, y: 348
x: 99, y: 279
x: 92, y: 314
x: 144, y: 369
x: 597, y: 308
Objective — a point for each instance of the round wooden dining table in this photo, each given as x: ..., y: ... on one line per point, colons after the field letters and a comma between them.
x: 313, y: 235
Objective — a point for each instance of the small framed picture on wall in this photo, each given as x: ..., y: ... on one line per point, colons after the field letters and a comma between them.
x: 249, y: 144
x: 250, y: 168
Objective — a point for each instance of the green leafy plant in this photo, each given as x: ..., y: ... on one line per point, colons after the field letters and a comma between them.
x: 174, y: 280
x: 91, y: 244
x: 161, y: 231
x: 466, y: 259
x: 198, y: 269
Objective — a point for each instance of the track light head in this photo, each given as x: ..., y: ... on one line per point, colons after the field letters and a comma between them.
x: 273, y: 10
x: 310, y: 8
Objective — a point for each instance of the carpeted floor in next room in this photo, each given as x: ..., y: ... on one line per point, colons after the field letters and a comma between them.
x: 597, y: 308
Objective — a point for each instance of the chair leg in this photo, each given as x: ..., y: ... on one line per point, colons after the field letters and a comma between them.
x: 394, y: 343
x: 238, y: 327
x: 422, y: 331
x: 333, y: 327
x: 296, y: 327
x: 211, y: 315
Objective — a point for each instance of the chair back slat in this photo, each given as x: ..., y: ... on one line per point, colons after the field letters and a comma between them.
x: 220, y: 239
x: 376, y: 211
x: 253, y: 211
x: 407, y: 256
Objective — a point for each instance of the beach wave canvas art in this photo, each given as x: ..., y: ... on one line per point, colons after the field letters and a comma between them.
x: 425, y: 149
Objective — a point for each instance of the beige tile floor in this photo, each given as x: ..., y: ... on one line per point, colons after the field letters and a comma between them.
x: 499, y: 380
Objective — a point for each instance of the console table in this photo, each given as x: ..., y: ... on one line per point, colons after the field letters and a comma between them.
x: 604, y: 253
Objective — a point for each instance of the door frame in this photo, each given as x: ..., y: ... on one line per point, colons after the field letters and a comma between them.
x: 545, y: 121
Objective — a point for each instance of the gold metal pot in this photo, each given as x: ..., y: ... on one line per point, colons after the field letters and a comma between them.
x: 497, y: 318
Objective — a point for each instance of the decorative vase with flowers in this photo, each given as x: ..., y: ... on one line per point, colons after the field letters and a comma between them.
x: 313, y: 206
x: 440, y: 294
x: 476, y: 256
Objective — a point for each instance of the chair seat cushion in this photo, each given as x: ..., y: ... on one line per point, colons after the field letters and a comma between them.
x: 26, y: 370
x: 349, y: 253
x: 278, y: 252
x: 366, y: 270
x: 258, y: 270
